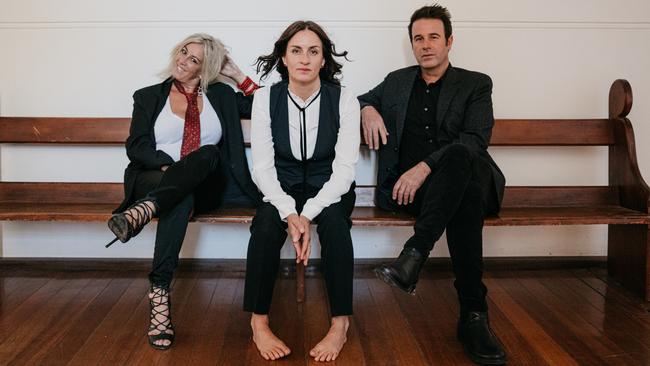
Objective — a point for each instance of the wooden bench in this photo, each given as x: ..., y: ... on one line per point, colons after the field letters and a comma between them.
x: 623, y: 204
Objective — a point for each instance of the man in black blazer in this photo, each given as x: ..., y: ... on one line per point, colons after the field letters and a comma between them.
x: 431, y: 124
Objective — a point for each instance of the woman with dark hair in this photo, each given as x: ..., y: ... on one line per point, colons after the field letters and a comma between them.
x: 186, y: 154
x: 305, y: 146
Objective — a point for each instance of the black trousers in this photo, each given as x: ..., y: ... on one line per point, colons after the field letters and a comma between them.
x: 456, y: 196
x: 189, y: 185
x: 268, y: 234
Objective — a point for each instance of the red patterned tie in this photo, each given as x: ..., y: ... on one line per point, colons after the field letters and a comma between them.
x: 192, y: 129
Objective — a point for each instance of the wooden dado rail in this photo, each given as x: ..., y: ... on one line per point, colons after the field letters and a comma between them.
x: 623, y: 204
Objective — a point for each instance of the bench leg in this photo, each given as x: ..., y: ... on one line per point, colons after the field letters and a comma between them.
x: 628, y: 256
x: 300, y: 282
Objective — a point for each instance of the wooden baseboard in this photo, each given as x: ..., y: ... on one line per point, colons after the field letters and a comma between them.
x: 236, y: 267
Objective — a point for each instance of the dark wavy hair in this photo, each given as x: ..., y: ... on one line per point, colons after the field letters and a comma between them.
x: 432, y: 12
x: 329, y: 72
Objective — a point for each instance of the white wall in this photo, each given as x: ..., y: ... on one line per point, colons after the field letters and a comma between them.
x: 551, y: 59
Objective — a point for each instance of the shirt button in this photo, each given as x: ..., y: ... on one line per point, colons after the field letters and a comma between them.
x: 427, y: 91
x: 430, y: 141
x: 395, y: 149
x: 426, y: 109
x: 426, y: 127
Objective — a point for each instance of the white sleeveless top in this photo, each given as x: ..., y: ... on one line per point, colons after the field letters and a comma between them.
x: 169, y: 127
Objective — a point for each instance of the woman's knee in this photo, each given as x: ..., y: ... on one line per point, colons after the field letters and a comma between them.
x: 267, y: 220
x: 334, y: 216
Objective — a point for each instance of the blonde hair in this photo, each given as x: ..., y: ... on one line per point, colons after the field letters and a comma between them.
x: 214, y: 54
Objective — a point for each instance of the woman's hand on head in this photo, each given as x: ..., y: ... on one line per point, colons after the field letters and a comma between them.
x: 232, y: 71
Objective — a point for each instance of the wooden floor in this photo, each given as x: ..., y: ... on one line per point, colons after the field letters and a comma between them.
x: 543, y: 317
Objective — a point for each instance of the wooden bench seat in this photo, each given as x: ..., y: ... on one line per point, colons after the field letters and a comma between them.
x: 623, y: 204
x: 94, y: 202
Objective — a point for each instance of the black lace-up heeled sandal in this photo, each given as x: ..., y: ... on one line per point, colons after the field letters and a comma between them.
x: 129, y: 223
x: 160, y: 317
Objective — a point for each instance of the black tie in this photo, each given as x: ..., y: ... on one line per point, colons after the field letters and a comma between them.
x: 303, y: 136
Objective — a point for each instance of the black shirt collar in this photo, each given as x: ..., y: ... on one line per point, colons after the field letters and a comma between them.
x: 418, y: 77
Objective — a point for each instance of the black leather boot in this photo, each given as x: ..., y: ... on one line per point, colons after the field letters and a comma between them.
x: 404, y: 271
x: 479, y: 342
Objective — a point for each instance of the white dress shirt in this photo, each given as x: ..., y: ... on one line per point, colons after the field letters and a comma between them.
x: 169, y: 129
x: 346, y: 151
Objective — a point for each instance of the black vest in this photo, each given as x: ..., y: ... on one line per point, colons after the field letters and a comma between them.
x: 318, y: 168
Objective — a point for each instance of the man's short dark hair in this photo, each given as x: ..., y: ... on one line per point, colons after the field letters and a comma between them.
x: 434, y: 11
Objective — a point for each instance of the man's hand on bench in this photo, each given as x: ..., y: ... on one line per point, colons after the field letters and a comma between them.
x: 406, y: 186
x: 373, y: 127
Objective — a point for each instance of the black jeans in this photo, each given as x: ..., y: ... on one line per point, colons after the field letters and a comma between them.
x: 268, y: 234
x: 189, y: 185
x: 456, y: 196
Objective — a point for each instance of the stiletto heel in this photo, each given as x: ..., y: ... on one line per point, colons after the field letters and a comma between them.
x: 129, y: 223
x: 111, y: 242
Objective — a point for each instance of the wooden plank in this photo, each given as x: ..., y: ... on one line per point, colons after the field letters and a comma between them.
x: 76, y: 130
x: 559, y: 196
x: 408, y: 326
x: 583, y: 342
x: 506, y: 132
x: 68, y: 330
x: 530, y: 196
x: 112, y: 327
x: 533, y: 333
x: 112, y: 194
x: 556, y: 132
x: 361, y: 216
x: 31, y: 321
x: 210, y: 335
x: 542, y: 317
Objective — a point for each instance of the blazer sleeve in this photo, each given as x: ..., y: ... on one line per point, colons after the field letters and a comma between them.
x: 244, y: 104
x: 477, y: 123
x: 140, y: 148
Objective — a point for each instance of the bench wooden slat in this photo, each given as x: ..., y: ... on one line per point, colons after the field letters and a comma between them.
x: 558, y: 132
x: 506, y: 132
x: 361, y: 216
x: 64, y: 130
x: 522, y: 206
x: 62, y: 193
x: 531, y: 196
x: 112, y: 193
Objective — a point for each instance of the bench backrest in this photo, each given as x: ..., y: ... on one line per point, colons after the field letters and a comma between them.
x: 615, y: 132
x: 506, y: 132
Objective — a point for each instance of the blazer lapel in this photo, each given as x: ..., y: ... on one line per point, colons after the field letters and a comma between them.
x: 213, y: 98
x: 449, y: 88
x: 161, y: 97
x: 405, y: 86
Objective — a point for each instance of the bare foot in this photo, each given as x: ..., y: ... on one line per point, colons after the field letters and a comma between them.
x: 270, y: 346
x: 330, y: 346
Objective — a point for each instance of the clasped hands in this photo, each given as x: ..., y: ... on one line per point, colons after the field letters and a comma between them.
x: 300, y: 236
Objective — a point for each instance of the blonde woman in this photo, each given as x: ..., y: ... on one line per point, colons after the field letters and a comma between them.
x: 186, y: 155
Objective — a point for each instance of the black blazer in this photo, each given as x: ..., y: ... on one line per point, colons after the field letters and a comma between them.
x: 141, y: 144
x: 464, y: 116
